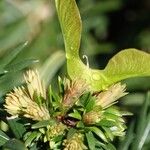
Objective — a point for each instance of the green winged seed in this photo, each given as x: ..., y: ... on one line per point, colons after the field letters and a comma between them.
x: 126, y: 64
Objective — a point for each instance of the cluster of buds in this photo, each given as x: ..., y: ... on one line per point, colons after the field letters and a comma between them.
x: 21, y: 100
x: 104, y: 100
x: 74, y: 143
x: 55, y: 130
x: 34, y: 84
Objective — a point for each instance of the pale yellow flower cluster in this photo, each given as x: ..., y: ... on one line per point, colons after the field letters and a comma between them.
x: 107, y: 98
x: 75, y: 143
x: 55, y: 130
x: 34, y: 84
x: 21, y: 101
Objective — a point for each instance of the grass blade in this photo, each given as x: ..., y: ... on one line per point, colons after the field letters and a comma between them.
x: 142, y: 126
x: 12, y: 55
x: 51, y: 66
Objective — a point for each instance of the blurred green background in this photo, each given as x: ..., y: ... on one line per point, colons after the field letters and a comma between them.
x: 108, y: 27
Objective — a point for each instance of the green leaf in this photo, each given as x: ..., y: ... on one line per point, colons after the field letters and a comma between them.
x: 14, y: 144
x: 80, y: 124
x: 17, y: 127
x: 90, y: 105
x: 8, y: 81
x: 3, y: 138
x: 20, y: 65
x: 43, y: 123
x: 146, y: 133
x: 110, y: 147
x: 98, y: 132
x: 104, y: 146
x: 143, y: 127
x: 108, y: 133
x: 33, y: 136
x: 70, y: 22
x: 12, y: 55
x: 106, y: 123
x: 54, y: 100
x: 114, y: 110
x: 58, y: 138
x: 75, y: 115
x: 85, y: 98
x: 91, y: 140
x: 61, y: 86
x: 112, y: 117
x: 100, y: 145
x: 71, y: 132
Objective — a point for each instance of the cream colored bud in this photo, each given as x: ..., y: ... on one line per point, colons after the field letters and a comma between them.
x: 55, y: 130
x: 75, y: 143
x: 20, y: 103
x: 92, y: 117
x: 34, y: 84
x: 113, y: 93
x: 73, y: 91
